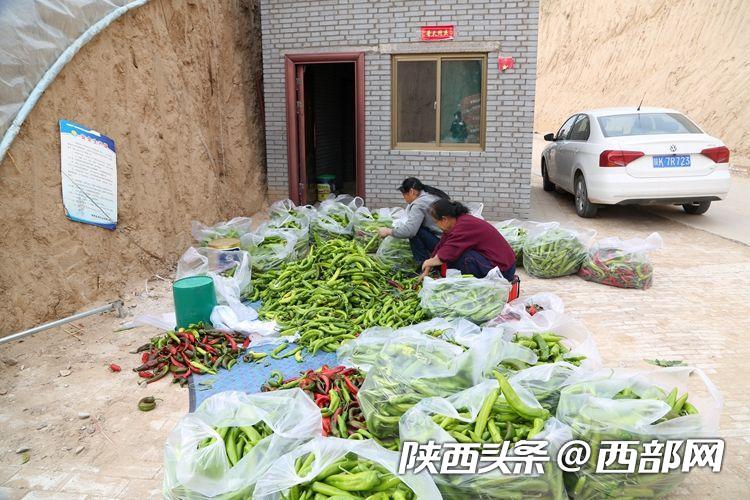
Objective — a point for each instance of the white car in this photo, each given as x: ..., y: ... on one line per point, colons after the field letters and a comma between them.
x: 629, y: 156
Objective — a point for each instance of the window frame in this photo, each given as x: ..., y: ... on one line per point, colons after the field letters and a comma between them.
x: 571, y: 117
x: 581, y: 117
x: 438, y: 145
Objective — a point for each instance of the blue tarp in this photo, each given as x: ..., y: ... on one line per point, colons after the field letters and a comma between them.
x: 249, y: 377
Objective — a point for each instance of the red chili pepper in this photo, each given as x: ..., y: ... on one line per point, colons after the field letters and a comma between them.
x: 210, y: 349
x: 145, y: 374
x: 326, y: 381
x: 114, y: 367
x: 212, y: 341
x: 352, y: 388
x: 231, y: 341
x: 322, y: 400
x: 246, y: 343
x: 176, y: 363
x: 145, y: 356
x: 326, y: 426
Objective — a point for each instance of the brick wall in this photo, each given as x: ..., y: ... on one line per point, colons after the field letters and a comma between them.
x: 497, y: 176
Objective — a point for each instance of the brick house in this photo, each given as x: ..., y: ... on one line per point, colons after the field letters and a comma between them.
x: 357, y: 98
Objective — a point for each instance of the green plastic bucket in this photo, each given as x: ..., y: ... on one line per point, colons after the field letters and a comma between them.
x: 194, y: 299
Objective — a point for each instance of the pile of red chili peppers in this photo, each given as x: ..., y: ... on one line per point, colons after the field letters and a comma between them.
x: 334, y: 390
x: 192, y: 350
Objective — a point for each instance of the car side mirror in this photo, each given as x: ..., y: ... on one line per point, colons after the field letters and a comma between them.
x: 549, y: 137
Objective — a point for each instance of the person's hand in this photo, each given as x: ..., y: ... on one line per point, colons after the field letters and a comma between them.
x: 385, y: 231
x: 432, y: 262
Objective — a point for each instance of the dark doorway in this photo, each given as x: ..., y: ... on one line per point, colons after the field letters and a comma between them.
x: 325, y: 122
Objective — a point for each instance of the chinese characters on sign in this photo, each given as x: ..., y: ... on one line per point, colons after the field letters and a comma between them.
x: 89, y: 175
x: 529, y: 457
x: 435, y: 33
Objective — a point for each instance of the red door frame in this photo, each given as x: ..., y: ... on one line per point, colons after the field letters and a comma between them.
x: 290, y: 64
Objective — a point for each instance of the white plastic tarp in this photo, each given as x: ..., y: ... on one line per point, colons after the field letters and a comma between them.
x: 37, y: 39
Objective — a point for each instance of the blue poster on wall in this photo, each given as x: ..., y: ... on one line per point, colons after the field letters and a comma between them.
x: 89, y: 175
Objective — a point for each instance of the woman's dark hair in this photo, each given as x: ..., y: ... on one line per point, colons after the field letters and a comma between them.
x: 414, y: 183
x: 446, y: 208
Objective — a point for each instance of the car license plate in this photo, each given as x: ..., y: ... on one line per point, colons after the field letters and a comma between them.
x: 671, y: 161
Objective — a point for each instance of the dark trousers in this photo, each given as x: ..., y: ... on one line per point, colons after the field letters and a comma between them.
x: 422, y: 244
x: 473, y: 262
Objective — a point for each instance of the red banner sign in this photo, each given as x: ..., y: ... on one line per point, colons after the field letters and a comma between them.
x: 435, y: 33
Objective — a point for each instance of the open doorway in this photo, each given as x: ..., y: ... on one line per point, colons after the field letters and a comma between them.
x: 325, y: 123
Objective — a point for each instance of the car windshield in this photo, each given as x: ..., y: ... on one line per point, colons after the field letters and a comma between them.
x: 646, y: 124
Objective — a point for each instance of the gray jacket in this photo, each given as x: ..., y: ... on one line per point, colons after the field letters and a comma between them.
x: 417, y: 215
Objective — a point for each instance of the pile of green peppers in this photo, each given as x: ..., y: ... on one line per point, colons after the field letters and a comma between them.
x: 366, y: 230
x: 238, y: 441
x: 548, y: 348
x: 333, y: 294
x: 349, y: 477
x: 552, y: 254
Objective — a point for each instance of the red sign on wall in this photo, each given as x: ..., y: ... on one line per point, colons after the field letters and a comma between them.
x: 435, y: 33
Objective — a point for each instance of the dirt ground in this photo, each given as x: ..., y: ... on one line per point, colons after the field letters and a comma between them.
x: 694, y: 312
x: 175, y: 83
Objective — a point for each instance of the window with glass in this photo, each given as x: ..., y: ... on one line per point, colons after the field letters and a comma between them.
x: 439, y: 101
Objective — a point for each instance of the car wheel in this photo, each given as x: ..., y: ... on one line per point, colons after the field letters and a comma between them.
x: 584, y: 208
x: 696, y: 208
x: 547, y: 184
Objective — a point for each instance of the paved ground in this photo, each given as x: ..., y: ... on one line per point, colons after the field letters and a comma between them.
x: 696, y: 311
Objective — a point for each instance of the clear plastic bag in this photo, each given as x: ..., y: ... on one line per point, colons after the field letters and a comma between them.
x: 282, y: 476
x: 476, y: 299
x: 417, y: 367
x: 233, y: 229
x: 205, y: 472
x: 230, y: 270
x: 526, y: 307
x: 366, y: 226
x: 299, y: 227
x: 418, y: 425
x: 574, y: 336
x: 514, y: 233
x: 551, y: 251
x: 621, y: 263
x: 547, y: 380
x: 269, y: 247
x: 396, y: 254
x: 604, y: 407
x: 333, y: 220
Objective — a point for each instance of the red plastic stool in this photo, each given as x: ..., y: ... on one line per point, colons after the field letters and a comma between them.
x: 515, y: 288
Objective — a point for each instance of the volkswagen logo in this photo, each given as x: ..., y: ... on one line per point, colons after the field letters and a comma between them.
x: 673, y: 148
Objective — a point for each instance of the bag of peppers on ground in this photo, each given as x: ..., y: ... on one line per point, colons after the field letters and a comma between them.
x: 458, y: 296
x: 299, y: 226
x: 232, y: 439
x: 621, y: 263
x: 342, y: 469
x: 514, y: 231
x: 396, y: 254
x: 619, y: 405
x: 269, y: 247
x: 334, y: 390
x: 366, y: 225
x: 551, y: 251
x: 333, y: 219
x: 526, y: 307
x: 493, y: 411
x: 415, y: 368
x: 231, y: 229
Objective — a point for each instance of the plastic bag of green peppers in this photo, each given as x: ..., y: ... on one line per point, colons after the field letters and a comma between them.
x: 366, y: 226
x: 298, y: 226
x: 413, y: 368
x: 457, y: 296
x: 396, y: 254
x: 621, y: 263
x: 233, y: 229
x: 269, y: 248
x: 619, y: 405
x: 495, y: 411
x: 514, y: 231
x: 333, y: 220
x: 343, y: 469
x: 551, y: 251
